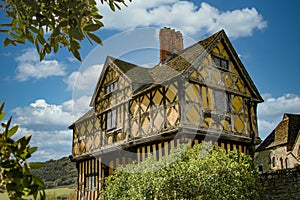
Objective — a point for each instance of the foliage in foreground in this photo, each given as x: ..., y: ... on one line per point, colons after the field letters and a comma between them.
x: 15, y: 175
x: 51, y: 24
x: 202, y: 172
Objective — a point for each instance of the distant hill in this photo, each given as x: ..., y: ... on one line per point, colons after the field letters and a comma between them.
x: 56, y: 173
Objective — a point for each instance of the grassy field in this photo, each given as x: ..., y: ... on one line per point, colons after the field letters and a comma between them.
x: 51, y: 194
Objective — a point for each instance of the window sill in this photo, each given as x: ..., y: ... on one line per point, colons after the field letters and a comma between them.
x: 221, y: 68
x: 112, y: 130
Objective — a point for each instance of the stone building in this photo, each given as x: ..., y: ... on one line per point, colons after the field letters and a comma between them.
x: 202, y: 92
x: 281, y: 149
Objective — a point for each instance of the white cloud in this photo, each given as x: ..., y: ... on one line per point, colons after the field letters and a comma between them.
x: 185, y: 16
x: 48, y: 124
x: 43, y: 116
x: 84, y: 80
x: 29, y: 66
x: 271, y: 111
x: 77, y: 106
x: 51, y: 144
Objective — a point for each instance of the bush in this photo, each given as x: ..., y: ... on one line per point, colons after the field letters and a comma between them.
x: 200, y: 172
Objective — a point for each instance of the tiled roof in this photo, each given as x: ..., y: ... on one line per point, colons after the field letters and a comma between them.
x: 285, y: 133
x: 138, y: 75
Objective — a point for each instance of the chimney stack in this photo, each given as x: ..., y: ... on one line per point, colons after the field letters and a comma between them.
x: 171, y: 41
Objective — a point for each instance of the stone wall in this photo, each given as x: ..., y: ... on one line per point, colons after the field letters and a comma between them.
x: 281, y: 184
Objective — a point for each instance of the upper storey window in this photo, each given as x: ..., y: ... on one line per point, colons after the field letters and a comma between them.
x: 111, y: 119
x: 111, y: 87
x: 220, y: 62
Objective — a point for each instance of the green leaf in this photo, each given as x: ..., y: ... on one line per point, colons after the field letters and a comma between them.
x: 12, y: 131
x: 5, y: 24
x: 76, y: 34
x: 55, y: 45
x: 47, y: 48
x: 95, y: 38
x: 30, y: 36
x: 96, y: 15
x: 2, y: 106
x: 7, y: 125
x: 42, y: 55
x: 91, y: 27
x: 74, y: 45
x: 23, y: 142
x: 76, y: 54
x: 2, y: 114
x: 7, y: 41
x: 32, y: 150
x: 19, y: 38
x: 41, y: 39
x: 112, y: 7
x: 41, y: 31
x: 116, y: 4
x: 35, y: 30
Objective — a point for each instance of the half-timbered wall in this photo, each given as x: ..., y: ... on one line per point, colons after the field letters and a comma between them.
x: 111, y: 105
x: 216, y: 97
x: 155, y: 111
x: 86, y: 135
x: 121, y: 94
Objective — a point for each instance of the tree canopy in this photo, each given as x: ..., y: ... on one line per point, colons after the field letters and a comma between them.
x: 53, y: 24
x: 197, y: 173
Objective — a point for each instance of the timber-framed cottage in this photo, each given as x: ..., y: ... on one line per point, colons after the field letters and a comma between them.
x: 202, y: 92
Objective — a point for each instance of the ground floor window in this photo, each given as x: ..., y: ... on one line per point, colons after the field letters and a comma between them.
x: 91, y: 180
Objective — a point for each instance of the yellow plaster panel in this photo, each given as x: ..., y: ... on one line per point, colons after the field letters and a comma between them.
x: 192, y: 92
x: 194, y: 74
x: 172, y: 115
x: 145, y: 104
x: 239, y: 125
x: 210, y: 99
x: 204, y: 97
x: 158, y: 121
x: 97, y: 141
x: 192, y: 116
x: 119, y: 136
x: 237, y: 104
x: 157, y: 98
x: 171, y: 93
x: 75, y: 149
x: 134, y: 108
x: 145, y: 123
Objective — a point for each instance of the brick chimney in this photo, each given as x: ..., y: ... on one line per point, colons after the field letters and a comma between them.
x: 171, y: 41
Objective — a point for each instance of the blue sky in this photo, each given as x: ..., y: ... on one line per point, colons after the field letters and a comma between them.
x: 46, y: 97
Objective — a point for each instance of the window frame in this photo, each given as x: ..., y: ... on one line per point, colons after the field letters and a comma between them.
x: 111, y: 119
x: 274, y: 162
x: 287, y: 163
x: 281, y: 163
x: 111, y: 87
x: 219, y: 62
x: 91, y: 180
